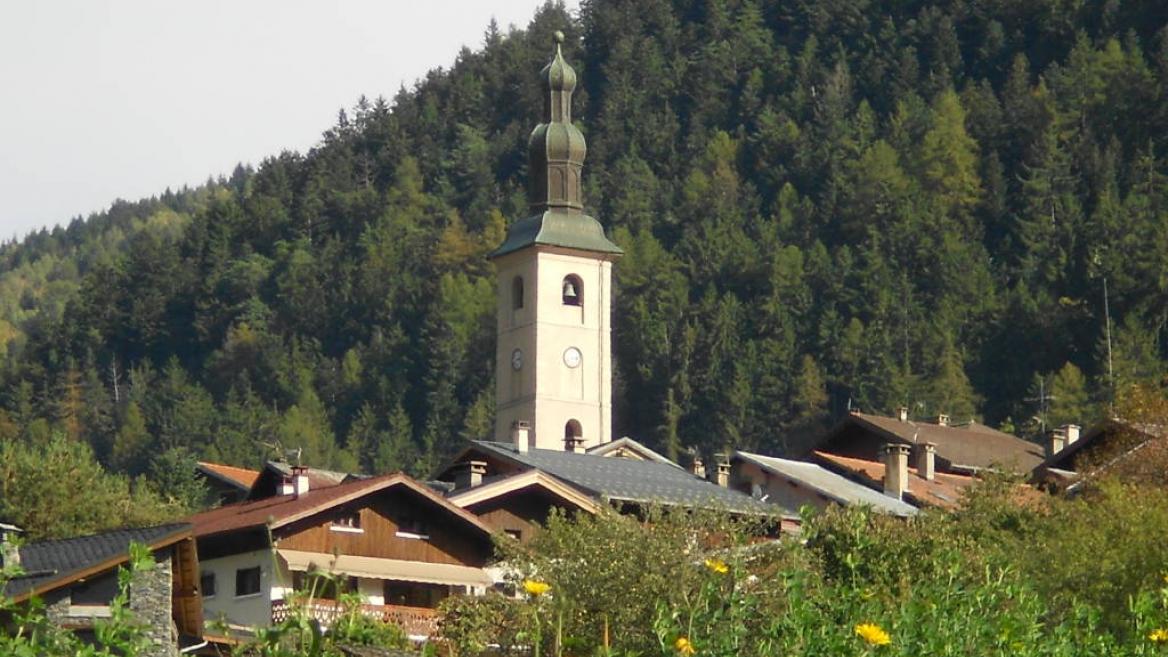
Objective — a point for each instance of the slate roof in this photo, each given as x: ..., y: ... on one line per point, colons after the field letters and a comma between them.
x: 944, y: 491
x: 281, y: 510
x: 971, y: 446
x: 633, y: 446
x: 51, y: 564
x: 627, y: 480
x: 828, y: 483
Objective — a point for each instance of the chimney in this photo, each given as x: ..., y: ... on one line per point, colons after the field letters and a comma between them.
x: 927, y: 461
x: 1071, y: 431
x: 286, y: 487
x: 722, y: 475
x: 697, y: 467
x: 299, y: 480
x: 520, y: 431
x: 9, y: 551
x: 1058, y: 441
x: 895, y: 469
x: 574, y: 444
x: 469, y: 474
x: 942, y: 420
x: 902, y: 413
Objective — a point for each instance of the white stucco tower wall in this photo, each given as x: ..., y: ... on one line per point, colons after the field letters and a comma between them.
x: 539, y: 379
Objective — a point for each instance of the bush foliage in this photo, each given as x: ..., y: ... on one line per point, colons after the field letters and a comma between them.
x: 1008, y: 574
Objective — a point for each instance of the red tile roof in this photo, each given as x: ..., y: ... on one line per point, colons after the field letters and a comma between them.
x: 943, y: 491
x: 281, y: 510
x: 242, y: 477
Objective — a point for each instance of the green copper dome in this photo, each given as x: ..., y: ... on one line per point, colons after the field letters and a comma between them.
x: 556, y: 151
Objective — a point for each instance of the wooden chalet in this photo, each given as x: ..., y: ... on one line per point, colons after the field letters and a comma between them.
x: 517, y: 505
x: 965, y: 448
x: 1115, y: 446
x: 397, y: 543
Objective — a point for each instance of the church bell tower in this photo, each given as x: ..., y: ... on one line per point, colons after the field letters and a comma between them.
x: 554, y: 291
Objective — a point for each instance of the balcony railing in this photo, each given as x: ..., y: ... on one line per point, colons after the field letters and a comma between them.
x: 416, y: 621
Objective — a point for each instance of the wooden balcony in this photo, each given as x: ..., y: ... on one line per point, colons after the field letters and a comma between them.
x: 416, y: 621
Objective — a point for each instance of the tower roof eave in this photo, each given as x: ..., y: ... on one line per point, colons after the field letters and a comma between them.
x: 569, y: 230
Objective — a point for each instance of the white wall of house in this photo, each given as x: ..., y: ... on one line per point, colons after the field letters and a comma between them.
x: 251, y: 610
x: 779, y: 490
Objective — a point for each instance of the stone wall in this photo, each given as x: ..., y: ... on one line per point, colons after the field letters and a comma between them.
x: 57, y: 605
x: 150, y: 604
x: 151, y: 594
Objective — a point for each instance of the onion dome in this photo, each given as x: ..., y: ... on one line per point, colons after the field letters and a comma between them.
x: 556, y: 149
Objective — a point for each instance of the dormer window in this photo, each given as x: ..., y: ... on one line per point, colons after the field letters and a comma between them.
x: 350, y: 522
x: 412, y: 527
x: 517, y: 293
x: 573, y: 291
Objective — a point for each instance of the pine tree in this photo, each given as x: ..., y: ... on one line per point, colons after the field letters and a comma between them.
x: 1070, y: 400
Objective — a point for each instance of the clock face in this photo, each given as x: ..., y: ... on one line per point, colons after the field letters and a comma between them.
x: 572, y: 357
x: 516, y: 360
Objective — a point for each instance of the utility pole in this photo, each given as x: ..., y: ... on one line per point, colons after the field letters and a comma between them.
x: 1110, y: 365
x: 1042, y: 399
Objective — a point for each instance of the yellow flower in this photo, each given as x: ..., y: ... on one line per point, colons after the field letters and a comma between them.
x: 684, y: 646
x: 1158, y: 636
x: 718, y: 566
x: 873, y: 634
x: 536, y: 588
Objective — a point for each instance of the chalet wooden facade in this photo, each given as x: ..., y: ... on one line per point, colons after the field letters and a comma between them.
x: 519, y: 505
x: 392, y: 540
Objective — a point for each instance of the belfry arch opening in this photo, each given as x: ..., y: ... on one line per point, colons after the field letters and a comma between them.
x: 573, y: 290
x: 517, y: 293
x: 573, y: 436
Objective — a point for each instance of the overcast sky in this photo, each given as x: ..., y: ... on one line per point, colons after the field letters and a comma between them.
x: 105, y: 99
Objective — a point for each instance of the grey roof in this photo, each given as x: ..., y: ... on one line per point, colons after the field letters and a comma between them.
x: 633, y: 446
x: 828, y: 483
x: 49, y: 564
x: 628, y: 480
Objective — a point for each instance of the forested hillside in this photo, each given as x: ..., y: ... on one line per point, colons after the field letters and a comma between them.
x: 822, y: 204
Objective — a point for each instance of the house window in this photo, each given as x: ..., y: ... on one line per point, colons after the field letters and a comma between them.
x: 573, y: 290
x: 350, y: 522
x: 412, y: 527
x: 517, y: 293
x: 207, y: 584
x: 247, y: 581
x: 96, y: 592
